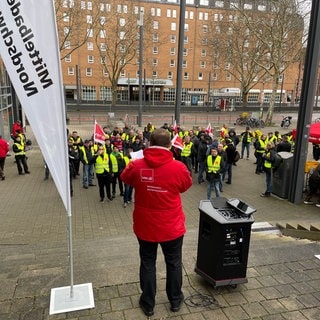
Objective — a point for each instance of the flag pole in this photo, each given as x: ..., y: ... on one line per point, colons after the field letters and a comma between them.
x: 79, y: 297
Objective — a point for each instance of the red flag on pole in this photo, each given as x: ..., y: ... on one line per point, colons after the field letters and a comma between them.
x: 177, y: 142
x: 209, y: 128
x: 99, y: 135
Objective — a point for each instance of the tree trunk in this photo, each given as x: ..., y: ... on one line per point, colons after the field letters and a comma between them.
x: 268, y: 120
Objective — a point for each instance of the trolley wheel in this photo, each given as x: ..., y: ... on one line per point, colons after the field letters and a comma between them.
x: 233, y: 286
x: 239, y: 122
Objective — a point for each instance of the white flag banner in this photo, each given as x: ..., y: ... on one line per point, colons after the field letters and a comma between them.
x: 30, y: 51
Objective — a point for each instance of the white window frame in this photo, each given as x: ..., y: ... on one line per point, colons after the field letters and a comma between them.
x: 70, y: 71
x: 89, y: 72
x: 67, y: 58
x: 90, y: 58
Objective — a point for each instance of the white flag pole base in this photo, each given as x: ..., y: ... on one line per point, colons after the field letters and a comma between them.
x: 61, y: 300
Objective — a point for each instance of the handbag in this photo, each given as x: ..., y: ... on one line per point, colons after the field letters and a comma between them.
x: 236, y: 156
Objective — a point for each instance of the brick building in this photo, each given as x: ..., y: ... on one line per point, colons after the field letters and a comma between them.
x: 85, y: 74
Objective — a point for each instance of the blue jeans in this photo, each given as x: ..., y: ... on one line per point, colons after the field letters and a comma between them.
x: 172, y: 251
x: 201, y: 171
x: 88, y: 174
x: 245, y: 145
x: 227, y: 169
x: 213, y: 184
x: 127, y: 196
x: 268, y: 179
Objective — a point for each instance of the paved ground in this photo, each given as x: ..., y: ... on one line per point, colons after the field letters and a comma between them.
x: 283, y: 273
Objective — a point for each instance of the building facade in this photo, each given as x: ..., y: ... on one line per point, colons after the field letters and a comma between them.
x: 88, y: 68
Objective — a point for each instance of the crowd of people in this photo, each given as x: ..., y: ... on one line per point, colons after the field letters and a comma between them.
x: 207, y: 155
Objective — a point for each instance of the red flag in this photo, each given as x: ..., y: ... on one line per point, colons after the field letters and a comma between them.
x: 99, y: 135
x: 209, y: 128
x: 177, y: 142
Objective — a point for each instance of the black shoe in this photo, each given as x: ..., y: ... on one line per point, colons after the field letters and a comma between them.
x: 265, y: 194
x: 146, y: 311
x: 176, y: 307
x: 121, y: 194
x: 21, y: 173
x: 101, y: 199
x: 3, y: 178
x: 27, y: 172
x: 228, y: 182
x: 113, y: 196
x: 92, y: 185
x: 85, y: 187
x: 110, y: 198
x: 257, y: 172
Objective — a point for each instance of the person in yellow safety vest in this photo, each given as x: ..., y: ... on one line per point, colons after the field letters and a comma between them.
x: 223, y: 131
x: 103, y: 170
x: 268, y: 158
x: 260, y: 146
x: 246, y: 138
x: 118, y: 165
x: 278, y: 135
x: 86, y: 154
x: 107, y: 132
x: 186, y: 153
x: 183, y: 133
x: 129, y: 139
x: 76, y: 142
x: 20, y: 156
x: 271, y: 138
x: 150, y: 127
x: 214, y: 167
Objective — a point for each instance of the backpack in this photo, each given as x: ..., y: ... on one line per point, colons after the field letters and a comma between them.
x: 277, y: 160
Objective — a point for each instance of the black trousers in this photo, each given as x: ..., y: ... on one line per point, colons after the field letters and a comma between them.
x: 104, y: 181
x: 115, y: 178
x: 21, y: 162
x: 172, y: 251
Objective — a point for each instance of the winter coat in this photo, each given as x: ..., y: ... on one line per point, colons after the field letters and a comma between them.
x: 158, y: 180
x: 4, y: 148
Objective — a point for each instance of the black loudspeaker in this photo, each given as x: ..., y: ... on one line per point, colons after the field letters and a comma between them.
x: 223, y: 244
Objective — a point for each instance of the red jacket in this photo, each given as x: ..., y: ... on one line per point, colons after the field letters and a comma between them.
x: 4, y: 148
x: 158, y: 180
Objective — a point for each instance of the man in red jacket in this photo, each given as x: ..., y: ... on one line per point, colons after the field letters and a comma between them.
x: 4, y: 149
x: 158, y: 217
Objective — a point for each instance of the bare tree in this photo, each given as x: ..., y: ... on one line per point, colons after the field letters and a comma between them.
x: 234, y: 49
x: 259, y: 43
x: 117, y: 39
x: 73, y: 33
x: 280, y: 32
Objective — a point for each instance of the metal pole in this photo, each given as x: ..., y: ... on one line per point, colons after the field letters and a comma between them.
x: 281, y: 92
x: 306, y: 104
x: 179, y: 62
x: 140, y: 23
x: 128, y: 88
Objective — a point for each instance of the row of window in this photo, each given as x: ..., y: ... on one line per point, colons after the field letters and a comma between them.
x: 186, y: 75
x: 105, y: 94
x: 123, y: 8
x: 172, y: 63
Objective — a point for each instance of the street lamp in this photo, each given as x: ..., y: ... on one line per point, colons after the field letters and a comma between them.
x: 179, y: 63
x: 140, y: 24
